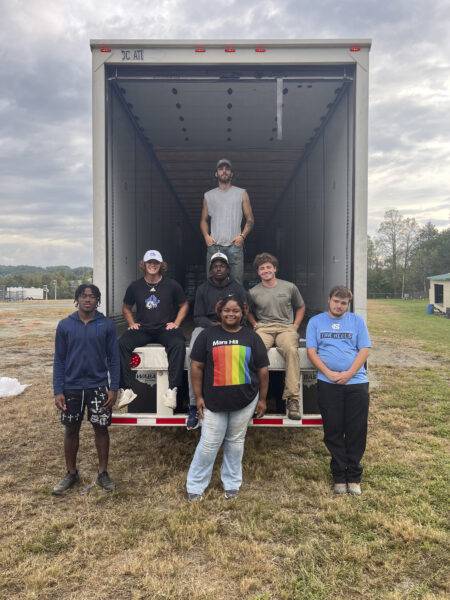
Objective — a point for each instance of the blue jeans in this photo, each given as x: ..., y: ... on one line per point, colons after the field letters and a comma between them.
x: 217, y: 427
x: 194, y: 336
x: 235, y: 255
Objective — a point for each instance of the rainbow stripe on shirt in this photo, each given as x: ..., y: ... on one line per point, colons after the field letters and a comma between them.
x: 231, y: 365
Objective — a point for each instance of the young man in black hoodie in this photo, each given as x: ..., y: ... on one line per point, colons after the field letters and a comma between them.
x: 86, y: 373
x: 218, y: 285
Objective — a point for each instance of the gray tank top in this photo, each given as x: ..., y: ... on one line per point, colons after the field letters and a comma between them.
x: 225, y: 210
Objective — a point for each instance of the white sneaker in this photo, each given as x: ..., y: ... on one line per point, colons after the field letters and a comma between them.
x: 170, y: 398
x: 354, y: 489
x: 125, y: 397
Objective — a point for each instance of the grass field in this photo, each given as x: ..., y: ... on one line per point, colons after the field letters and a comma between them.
x: 286, y: 537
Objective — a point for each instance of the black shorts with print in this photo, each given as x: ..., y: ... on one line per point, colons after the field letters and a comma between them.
x: 93, y: 399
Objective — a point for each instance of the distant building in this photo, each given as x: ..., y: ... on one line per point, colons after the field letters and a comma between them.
x: 440, y: 292
x: 24, y: 293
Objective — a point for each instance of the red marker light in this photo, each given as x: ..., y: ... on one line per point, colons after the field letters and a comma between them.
x: 200, y: 50
x: 355, y: 49
x: 260, y: 49
x: 135, y: 360
x: 105, y: 49
x: 229, y: 49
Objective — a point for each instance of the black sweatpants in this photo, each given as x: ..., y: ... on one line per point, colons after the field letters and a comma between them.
x: 173, y: 341
x: 345, y: 410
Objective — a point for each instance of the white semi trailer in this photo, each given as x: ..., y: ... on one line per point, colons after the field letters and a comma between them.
x: 291, y: 115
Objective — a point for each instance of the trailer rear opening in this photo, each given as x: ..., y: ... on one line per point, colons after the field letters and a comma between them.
x: 292, y: 118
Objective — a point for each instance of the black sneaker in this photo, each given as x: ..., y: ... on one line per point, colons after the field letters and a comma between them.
x: 105, y: 481
x: 66, y: 483
x: 231, y: 494
x: 192, y: 420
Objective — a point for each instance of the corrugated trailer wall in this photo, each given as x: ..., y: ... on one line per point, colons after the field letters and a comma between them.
x: 142, y: 211
x: 314, y: 223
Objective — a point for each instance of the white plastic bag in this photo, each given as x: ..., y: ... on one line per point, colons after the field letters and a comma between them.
x: 11, y: 387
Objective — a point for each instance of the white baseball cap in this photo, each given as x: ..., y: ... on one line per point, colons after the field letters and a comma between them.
x: 152, y: 255
x: 218, y: 256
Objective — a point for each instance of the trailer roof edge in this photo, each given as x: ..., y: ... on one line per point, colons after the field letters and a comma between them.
x: 211, y: 43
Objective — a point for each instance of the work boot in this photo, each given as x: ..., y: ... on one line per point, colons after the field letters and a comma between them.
x: 293, y: 409
x: 66, y: 483
x: 105, y: 482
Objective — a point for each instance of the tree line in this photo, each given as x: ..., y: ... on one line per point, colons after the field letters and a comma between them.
x: 64, y: 278
x: 402, y: 255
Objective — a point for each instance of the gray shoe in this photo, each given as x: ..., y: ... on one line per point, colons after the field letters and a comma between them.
x: 293, y: 409
x: 340, y: 488
x: 105, y: 482
x: 354, y: 489
x: 66, y: 483
x: 194, y: 497
x: 231, y: 494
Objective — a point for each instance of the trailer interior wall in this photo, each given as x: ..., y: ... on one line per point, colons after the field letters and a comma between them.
x: 166, y: 127
x: 314, y: 219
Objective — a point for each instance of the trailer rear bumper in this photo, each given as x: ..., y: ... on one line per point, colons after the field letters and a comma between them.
x: 153, y: 420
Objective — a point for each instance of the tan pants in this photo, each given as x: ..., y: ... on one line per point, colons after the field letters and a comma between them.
x: 285, y: 339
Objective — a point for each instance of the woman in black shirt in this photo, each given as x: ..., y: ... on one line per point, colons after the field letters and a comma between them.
x: 230, y: 380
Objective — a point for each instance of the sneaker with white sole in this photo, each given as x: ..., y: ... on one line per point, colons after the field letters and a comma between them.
x: 354, y: 489
x: 340, y: 488
x: 125, y: 397
x: 192, y: 420
x: 170, y: 398
x: 194, y: 497
x: 231, y: 494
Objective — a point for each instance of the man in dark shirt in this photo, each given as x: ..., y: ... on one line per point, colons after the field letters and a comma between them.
x: 86, y: 352
x: 161, y: 307
x: 218, y: 285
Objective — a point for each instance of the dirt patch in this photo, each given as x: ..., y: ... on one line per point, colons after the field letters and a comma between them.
x: 386, y: 353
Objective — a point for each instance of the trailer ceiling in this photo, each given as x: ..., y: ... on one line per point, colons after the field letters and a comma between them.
x: 193, y: 120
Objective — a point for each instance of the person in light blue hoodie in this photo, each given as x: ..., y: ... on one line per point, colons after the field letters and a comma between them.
x: 338, y: 343
x: 86, y: 374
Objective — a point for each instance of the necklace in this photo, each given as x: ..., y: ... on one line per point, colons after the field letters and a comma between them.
x: 152, y: 286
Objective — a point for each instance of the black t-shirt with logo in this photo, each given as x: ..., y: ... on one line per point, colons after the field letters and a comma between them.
x: 156, y: 304
x: 232, y: 360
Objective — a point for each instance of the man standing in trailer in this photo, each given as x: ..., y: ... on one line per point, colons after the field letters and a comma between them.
x: 276, y: 313
x: 219, y: 285
x: 86, y: 352
x: 225, y: 206
x: 338, y: 345
x: 161, y: 307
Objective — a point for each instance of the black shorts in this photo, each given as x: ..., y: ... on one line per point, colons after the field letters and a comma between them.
x: 94, y: 399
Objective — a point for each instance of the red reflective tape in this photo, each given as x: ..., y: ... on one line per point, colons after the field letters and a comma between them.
x: 355, y: 49
x: 312, y: 422
x: 230, y: 49
x: 260, y: 49
x: 124, y: 420
x: 105, y: 49
x: 170, y: 421
x: 267, y: 421
x: 200, y: 50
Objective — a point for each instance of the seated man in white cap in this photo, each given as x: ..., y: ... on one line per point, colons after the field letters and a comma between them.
x: 219, y: 285
x: 161, y: 307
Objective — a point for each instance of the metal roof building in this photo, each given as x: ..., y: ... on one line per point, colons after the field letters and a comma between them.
x: 440, y: 292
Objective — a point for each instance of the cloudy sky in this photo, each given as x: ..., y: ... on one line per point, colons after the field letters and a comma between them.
x: 45, y: 102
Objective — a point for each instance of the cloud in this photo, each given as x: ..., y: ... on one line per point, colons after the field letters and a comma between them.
x: 45, y: 102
